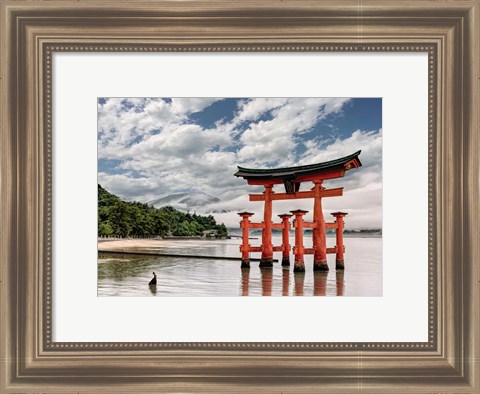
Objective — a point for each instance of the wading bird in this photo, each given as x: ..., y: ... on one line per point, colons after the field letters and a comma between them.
x: 153, y: 282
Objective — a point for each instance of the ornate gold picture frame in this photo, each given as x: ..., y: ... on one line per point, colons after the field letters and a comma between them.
x: 32, y: 31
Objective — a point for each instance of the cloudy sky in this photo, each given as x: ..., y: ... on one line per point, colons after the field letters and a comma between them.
x: 152, y: 147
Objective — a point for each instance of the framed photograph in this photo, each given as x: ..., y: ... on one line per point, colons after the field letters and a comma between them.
x: 240, y: 197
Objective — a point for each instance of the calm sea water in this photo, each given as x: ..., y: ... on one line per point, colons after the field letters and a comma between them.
x: 128, y: 275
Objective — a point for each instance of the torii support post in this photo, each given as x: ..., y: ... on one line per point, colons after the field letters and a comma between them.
x: 267, y: 247
x: 340, y: 249
x: 319, y: 236
x: 245, y: 248
x: 285, y: 239
x: 298, y: 251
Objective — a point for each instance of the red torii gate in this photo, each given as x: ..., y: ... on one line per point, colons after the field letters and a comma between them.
x: 292, y: 177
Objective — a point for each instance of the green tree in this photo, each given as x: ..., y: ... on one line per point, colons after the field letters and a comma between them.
x: 222, y: 230
x: 105, y: 229
x: 183, y: 229
x: 120, y: 218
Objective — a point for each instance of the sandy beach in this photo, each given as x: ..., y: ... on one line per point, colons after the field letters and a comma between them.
x: 149, y: 244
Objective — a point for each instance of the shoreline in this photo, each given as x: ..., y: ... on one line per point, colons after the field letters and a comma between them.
x: 153, y: 247
x: 138, y: 243
x: 187, y: 256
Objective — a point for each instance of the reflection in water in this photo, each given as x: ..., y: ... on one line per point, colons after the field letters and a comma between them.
x: 340, y: 284
x: 153, y: 289
x: 267, y: 276
x: 129, y: 275
x: 320, y: 283
x: 299, y: 280
x: 245, y: 280
x: 285, y: 281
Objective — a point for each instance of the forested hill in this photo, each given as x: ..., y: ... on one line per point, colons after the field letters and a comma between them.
x: 127, y: 219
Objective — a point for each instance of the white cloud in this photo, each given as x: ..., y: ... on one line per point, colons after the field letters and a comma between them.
x: 369, y: 142
x: 254, y: 108
x: 295, y: 116
x: 187, y: 105
x: 179, y: 141
x: 127, y: 186
x: 123, y: 121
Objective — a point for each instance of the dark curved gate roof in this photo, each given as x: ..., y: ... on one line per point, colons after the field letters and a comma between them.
x: 291, y: 173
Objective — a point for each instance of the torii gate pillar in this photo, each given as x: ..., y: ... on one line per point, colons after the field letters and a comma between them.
x: 245, y: 248
x: 340, y: 248
x: 285, y: 239
x: 319, y: 236
x: 299, y: 250
x: 267, y: 247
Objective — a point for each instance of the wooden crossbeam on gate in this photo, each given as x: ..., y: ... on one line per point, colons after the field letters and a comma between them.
x: 336, y: 192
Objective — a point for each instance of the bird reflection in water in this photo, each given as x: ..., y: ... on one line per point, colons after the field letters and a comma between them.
x: 267, y: 277
x: 153, y: 289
